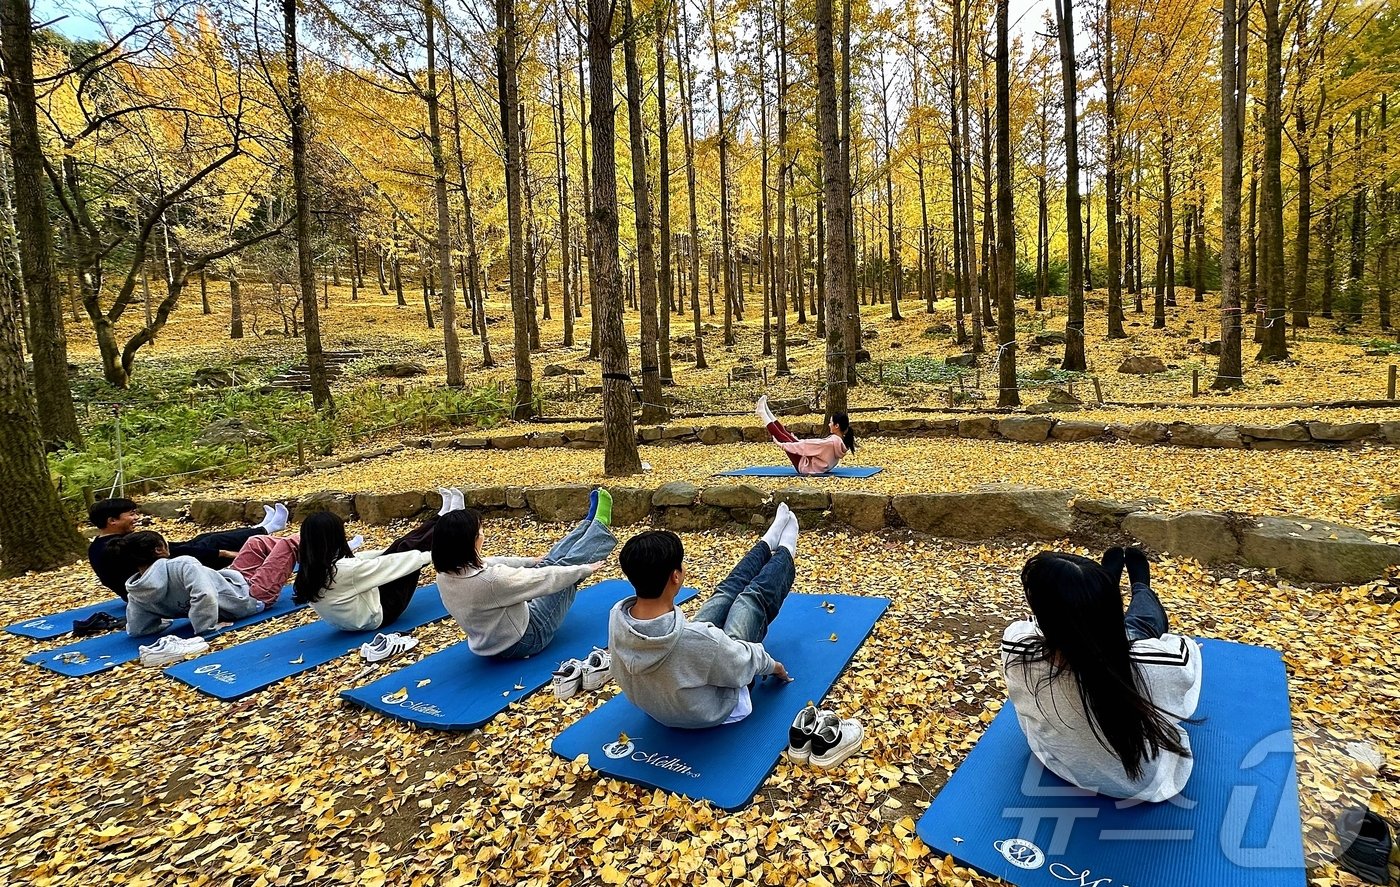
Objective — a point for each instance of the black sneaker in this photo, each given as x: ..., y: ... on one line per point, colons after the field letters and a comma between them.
x: 97, y: 623
x: 1365, y: 845
x: 799, y: 748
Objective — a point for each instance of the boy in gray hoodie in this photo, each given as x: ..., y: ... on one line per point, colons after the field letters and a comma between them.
x: 162, y: 588
x: 696, y: 674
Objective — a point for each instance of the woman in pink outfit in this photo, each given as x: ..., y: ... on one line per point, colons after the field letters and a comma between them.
x: 815, y: 456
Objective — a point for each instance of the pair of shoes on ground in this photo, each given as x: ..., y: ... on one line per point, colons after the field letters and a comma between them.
x: 821, y: 738
x: 1365, y: 845
x: 171, y: 649
x: 386, y: 645
x: 588, y: 673
x: 97, y: 623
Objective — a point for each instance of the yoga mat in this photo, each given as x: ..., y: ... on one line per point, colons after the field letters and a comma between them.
x: 61, y: 623
x: 464, y: 690
x: 1236, y: 824
x: 725, y: 765
x: 237, y: 671
x: 789, y: 471
x: 112, y: 649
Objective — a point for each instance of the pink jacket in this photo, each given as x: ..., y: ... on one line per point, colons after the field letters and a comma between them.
x: 818, y: 455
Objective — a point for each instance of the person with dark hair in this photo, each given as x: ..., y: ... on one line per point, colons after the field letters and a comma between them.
x: 1101, y: 693
x: 696, y: 673
x: 161, y: 586
x: 815, y: 456
x: 511, y: 607
x: 371, y: 590
x: 115, y: 518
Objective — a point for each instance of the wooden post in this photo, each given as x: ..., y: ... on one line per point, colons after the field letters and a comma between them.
x: 881, y: 370
x: 301, y: 454
x: 1071, y: 388
x: 1098, y: 390
x: 1195, y: 383
x: 1390, y: 384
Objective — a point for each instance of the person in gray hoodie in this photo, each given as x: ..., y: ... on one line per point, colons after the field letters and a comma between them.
x: 162, y: 588
x: 696, y: 674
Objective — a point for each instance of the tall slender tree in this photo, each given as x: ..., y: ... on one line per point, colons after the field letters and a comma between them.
x: 836, y: 200
x: 1007, y: 396
x: 1074, y: 222
x: 1234, y: 30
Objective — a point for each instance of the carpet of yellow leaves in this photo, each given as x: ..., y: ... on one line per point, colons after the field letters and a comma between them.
x: 130, y: 778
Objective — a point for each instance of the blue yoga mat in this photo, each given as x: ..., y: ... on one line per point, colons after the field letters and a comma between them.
x: 725, y: 765
x: 789, y: 471
x: 109, y: 650
x: 1236, y: 824
x: 461, y: 690
x: 61, y: 623
x: 237, y: 671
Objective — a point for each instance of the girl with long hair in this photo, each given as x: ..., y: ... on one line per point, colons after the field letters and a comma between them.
x: 365, y: 591
x: 815, y: 456
x: 511, y: 607
x: 1101, y: 693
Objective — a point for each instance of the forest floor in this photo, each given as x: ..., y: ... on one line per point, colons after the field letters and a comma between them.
x: 126, y: 777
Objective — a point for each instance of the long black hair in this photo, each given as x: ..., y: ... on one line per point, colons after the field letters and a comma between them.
x: 323, y: 543
x: 454, y: 541
x: 1080, y: 613
x: 848, y: 437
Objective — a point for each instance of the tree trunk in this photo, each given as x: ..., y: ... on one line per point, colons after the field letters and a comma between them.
x: 447, y: 297
x: 585, y: 188
x: 685, y: 80
x: 1275, y: 341
x: 836, y: 201
x: 1329, y: 226
x: 1074, y: 323
x: 1303, y: 227
x: 1233, y: 90
x: 1008, y: 396
x: 58, y: 422
x: 1112, y: 171
x: 663, y: 187
x: 726, y: 247
x: 1356, y: 266
x: 235, y: 304
x: 507, y: 71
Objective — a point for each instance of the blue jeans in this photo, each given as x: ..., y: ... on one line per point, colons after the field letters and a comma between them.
x: 1145, y: 617
x: 586, y: 543
x: 748, y: 600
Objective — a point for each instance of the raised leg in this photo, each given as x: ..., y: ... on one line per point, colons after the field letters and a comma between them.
x: 716, y: 610
x: 1145, y: 617
x: 755, y: 608
x: 265, y: 581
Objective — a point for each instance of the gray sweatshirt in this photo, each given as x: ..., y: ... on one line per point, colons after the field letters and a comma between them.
x: 492, y: 603
x: 180, y: 587
x: 683, y: 674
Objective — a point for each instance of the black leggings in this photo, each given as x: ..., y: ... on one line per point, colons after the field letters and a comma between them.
x: 394, y: 596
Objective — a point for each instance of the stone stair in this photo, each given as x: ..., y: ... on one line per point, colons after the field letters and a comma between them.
x: 298, y: 378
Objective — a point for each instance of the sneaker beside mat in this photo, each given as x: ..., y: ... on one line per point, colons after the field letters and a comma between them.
x: 60, y: 623
x: 814, y: 637
x: 455, y: 689
x: 92, y: 655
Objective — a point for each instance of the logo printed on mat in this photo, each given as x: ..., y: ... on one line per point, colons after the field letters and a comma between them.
x: 618, y: 750
x: 216, y: 671
x: 43, y: 624
x: 1021, y: 853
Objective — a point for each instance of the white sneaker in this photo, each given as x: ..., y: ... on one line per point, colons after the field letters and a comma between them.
x: 597, y: 669
x: 799, y: 749
x: 386, y: 645
x: 567, y: 679
x: 172, y: 649
x: 835, y: 740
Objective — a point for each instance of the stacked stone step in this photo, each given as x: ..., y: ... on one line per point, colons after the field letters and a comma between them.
x: 298, y: 378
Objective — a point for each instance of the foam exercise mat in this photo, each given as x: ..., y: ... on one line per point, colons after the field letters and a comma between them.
x: 100, y: 653
x: 237, y: 671
x: 61, y: 623
x: 725, y: 765
x: 455, y: 689
x: 789, y: 471
x: 1236, y: 824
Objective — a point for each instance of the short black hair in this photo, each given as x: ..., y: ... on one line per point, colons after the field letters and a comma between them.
x: 648, y: 560
x: 105, y: 510
x: 136, y: 551
x: 454, y: 541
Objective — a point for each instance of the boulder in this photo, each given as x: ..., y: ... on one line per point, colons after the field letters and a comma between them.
x: 403, y: 369
x: 977, y: 427
x: 509, y: 442
x: 554, y: 370
x: 938, y: 329
x: 231, y: 432
x: 682, y: 519
x: 631, y: 505
x: 791, y: 406
x: 170, y: 509
x: 546, y: 439
x: 594, y: 434
x: 562, y: 503
x: 679, y: 432
x: 1347, y: 431
x: 1072, y: 430
x: 1045, y: 406
x: 217, y: 377
x: 1211, y: 348
x: 470, y: 443
x: 1050, y: 337
x: 756, y: 434
x: 378, y: 509
x: 217, y: 512
x: 961, y: 360
x: 1060, y: 395
x: 482, y: 497
x: 1141, y: 433
x: 721, y: 434
x: 862, y: 511
x: 1293, y: 431
x: 677, y: 492
x: 803, y: 498
x: 732, y: 496
x: 744, y: 374
x: 1026, y: 429
x: 1316, y: 551
x: 515, y: 497
x: 650, y: 433
x: 1141, y: 365
x: 333, y: 501
x: 1390, y: 432
x: 1106, y: 507
x: 1206, y: 436
x: 991, y: 511
x: 1206, y: 536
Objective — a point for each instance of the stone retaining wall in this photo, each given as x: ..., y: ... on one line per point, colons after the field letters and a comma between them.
x: 1025, y: 429
x: 1298, y: 548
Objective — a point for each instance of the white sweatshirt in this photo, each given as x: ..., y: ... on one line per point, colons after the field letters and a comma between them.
x: 351, y: 601
x: 1058, y: 728
x: 491, y: 603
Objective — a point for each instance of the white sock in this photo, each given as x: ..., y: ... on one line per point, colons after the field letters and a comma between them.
x: 459, y: 501
x: 446, y: 495
x: 774, y: 536
x: 764, y: 413
x: 356, y: 543
x: 274, y: 517
x: 789, y: 535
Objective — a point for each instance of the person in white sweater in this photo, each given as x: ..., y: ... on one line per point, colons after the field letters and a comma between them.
x: 1101, y: 693
x: 511, y: 607
x: 364, y: 591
